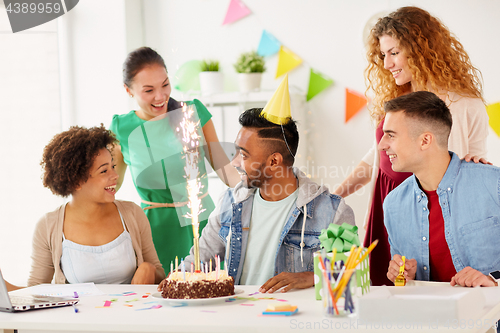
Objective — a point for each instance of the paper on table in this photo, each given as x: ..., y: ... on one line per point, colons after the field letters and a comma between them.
x: 421, y: 304
x: 65, y: 290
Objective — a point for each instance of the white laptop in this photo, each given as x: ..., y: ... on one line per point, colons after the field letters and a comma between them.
x: 13, y: 303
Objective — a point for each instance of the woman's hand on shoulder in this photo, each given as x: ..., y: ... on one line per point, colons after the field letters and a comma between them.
x: 145, y: 274
x: 476, y: 159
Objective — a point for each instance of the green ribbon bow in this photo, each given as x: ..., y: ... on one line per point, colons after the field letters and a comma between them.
x: 341, y: 237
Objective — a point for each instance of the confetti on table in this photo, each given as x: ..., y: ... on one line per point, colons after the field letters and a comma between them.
x: 132, y: 300
x: 157, y: 306
x: 230, y: 300
x: 247, y: 304
x: 281, y: 300
x: 128, y: 293
x: 208, y: 311
x: 107, y: 304
x: 178, y: 305
x: 114, y: 300
x: 145, y: 296
x: 129, y: 305
x: 255, y: 293
x: 247, y: 298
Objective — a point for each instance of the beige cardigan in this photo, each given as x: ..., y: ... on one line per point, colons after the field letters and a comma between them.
x: 468, y: 134
x: 48, y: 237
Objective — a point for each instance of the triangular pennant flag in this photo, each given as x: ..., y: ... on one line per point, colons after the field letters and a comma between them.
x: 354, y: 102
x: 278, y: 110
x: 317, y: 83
x: 494, y: 114
x: 268, y: 45
x: 287, y: 61
x: 236, y: 11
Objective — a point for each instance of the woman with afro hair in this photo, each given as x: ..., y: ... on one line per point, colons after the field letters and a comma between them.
x: 93, y: 237
x: 410, y: 50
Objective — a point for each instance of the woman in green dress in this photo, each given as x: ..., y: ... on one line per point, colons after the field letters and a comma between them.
x: 151, y: 146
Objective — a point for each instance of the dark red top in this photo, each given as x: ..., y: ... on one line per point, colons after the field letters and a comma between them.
x: 442, y: 268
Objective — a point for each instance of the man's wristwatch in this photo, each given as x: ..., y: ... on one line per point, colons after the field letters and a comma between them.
x: 495, y: 275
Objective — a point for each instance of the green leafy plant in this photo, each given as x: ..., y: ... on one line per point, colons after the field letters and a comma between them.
x: 210, y: 66
x: 250, y: 62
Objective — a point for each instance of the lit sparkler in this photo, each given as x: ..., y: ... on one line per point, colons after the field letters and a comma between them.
x: 191, y: 149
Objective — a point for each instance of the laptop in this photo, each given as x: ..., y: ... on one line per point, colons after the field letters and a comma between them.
x: 13, y: 303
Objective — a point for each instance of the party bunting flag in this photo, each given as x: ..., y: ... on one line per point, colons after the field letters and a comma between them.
x: 278, y: 110
x: 317, y: 83
x: 354, y: 102
x: 287, y: 61
x: 236, y: 11
x: 494, y: 114
x: 268, y: 45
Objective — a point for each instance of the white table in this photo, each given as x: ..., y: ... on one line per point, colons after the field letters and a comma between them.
x: 238, y: 316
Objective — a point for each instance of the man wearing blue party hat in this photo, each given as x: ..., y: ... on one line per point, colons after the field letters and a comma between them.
x: 267, y: 227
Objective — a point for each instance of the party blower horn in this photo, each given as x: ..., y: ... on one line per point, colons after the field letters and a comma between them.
x: 400, y: 279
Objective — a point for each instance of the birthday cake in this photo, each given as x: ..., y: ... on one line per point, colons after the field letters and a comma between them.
x: 198, y: 285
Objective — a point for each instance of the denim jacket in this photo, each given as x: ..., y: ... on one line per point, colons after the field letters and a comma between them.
x: 469, y: 196
x: 230, y: 222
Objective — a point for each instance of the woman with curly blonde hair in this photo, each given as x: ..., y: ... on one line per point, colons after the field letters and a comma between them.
x: 410, y: 50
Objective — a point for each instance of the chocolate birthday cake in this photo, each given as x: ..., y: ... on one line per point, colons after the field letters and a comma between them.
x: 198, y: 285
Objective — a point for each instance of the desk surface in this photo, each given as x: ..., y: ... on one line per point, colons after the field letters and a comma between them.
x: 240, y: 316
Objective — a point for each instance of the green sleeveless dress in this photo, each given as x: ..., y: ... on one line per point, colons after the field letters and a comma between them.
x: 153, y: 151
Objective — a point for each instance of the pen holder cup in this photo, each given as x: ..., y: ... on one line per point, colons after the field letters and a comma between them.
x: 361, y: 279
x: 338, y: 292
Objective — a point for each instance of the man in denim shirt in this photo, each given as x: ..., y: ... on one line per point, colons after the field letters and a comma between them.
x: 446, y: 217
x: 267, y: 227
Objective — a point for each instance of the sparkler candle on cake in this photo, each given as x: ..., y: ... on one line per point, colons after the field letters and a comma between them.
x: 203, y: 282
x: 191, y: 153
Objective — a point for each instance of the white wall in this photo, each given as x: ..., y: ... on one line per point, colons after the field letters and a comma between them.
x: 29, y: 103
x: 95, y: 37
x: 65, y: 72
x: 327, y: 34
x: 96, y: 41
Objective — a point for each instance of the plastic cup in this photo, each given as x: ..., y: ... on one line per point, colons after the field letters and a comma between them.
x: 335, y: 282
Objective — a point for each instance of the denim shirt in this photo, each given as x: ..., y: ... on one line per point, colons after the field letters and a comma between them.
x: 469, y: 196
x: 232, y: 217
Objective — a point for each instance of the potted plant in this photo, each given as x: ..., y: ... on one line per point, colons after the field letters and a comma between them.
x: 211, y: 80
x: 250, y: 66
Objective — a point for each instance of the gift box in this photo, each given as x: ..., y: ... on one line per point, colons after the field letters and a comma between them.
x: 342, y: 238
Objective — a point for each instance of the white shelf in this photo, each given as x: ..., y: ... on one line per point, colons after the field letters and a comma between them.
x: 231, y: 98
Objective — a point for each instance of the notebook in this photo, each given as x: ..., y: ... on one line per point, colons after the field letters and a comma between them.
x: 13, y: 303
